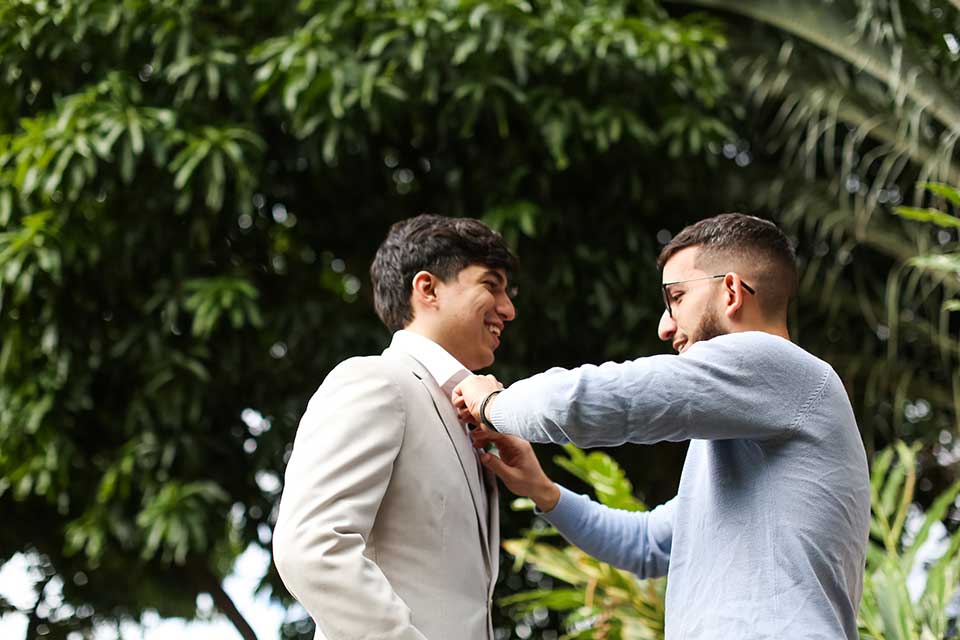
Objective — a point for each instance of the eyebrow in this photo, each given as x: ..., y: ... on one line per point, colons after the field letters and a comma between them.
x: 496, y: 274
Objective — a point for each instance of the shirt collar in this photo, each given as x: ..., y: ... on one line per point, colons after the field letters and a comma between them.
x: 443, y: 367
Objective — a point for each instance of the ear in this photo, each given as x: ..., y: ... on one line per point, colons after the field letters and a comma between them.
x: 733, y: 293
x: 424, y: 292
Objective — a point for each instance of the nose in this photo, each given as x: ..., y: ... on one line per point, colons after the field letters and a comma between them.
x: 667, y: 327
x: 505, y: 308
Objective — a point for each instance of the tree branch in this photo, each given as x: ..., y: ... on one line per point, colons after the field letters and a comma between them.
x: 222, y: 601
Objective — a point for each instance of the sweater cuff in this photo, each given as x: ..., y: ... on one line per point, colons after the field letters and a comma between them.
x: 498, y: 414
x: 565, y: 513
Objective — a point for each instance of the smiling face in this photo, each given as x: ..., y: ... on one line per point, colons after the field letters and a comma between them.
x: 470, y: 313
x: 695, y: 306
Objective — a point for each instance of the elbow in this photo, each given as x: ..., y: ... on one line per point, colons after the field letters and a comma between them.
x: 631, y: 564
x: 293, y: 566
x: 652, y: 567
x: 306, y: 560
x: 282, y: 557
x: 287, y: 555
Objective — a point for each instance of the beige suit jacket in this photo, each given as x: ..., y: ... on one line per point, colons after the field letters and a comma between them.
x: 387, y: 527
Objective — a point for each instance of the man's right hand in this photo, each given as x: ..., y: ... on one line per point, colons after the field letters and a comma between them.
x: 518, y: 467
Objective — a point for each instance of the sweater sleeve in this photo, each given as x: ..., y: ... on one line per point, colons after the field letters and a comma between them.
x: 745, y: 385
x: 632, y: 540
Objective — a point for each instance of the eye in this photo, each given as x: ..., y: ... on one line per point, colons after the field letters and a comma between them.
x: 676, y: 296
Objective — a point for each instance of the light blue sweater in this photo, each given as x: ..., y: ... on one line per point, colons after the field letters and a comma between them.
x: 767, y: 535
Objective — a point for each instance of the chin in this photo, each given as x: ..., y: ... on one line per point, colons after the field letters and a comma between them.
x: 482, y: 361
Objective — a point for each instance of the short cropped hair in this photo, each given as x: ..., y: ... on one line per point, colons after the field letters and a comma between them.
x: 440, y: 245
x: 753, y: 247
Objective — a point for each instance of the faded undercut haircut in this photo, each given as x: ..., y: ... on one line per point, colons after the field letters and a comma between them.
x: 440, y: 245
x: 754, y: 248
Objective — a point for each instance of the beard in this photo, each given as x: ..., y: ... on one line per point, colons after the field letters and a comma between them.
x: 710, y: 325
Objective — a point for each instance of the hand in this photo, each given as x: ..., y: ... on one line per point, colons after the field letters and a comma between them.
x: 469, y: 394
x: 518, y: 467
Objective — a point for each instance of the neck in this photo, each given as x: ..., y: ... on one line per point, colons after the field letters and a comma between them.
x: 781, y: 331
x: 432, y: 332
x: 777, y: 329
x: 423, y: 329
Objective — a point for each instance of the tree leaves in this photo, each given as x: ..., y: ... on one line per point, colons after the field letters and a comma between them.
x: 211, y: 299
x: 600, y: 600
x: 175, y: 519
x: 210, y: 181
x: 935, y: 216
x: 436, y: 55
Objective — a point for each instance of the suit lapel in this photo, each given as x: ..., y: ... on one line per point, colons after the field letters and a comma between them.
x: 461, y: 444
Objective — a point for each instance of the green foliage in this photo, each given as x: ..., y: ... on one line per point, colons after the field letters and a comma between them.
x: 507, y: 60
x: 935, y: 216
x: 938, y: 264
x: 175, y: 519
x: 191, y: 193
x: 602, y: 473
x: 887, y: 611
x: 211, y: 298
x: 190, y: 196
x: 600, y: 601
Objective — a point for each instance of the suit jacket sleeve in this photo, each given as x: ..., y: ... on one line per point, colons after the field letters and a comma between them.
x: 337, y: 475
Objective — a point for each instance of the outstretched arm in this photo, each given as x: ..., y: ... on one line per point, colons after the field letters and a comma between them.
x: 732, y: 386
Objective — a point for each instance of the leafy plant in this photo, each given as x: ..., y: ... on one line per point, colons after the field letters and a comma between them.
x: 888, y: 612
x: 601, y: 602
x: 191, y: 192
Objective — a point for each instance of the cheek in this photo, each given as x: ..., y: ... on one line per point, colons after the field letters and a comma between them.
x: 686, y: 314
x: 472, y: 311
x: 482, y: 303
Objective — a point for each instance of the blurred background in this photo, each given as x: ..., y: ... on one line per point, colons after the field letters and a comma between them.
x: 191, y: 193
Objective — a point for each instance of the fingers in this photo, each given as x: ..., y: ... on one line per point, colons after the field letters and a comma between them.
x: 495, y: 464
x: 473, y: 389
x: 460, y: 404
x: 482, y: 436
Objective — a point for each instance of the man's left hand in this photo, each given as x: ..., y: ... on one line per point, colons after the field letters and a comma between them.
x: 469, y: 394
x: 518, y: 467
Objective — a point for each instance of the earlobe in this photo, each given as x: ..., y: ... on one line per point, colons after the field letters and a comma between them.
x: 733, y: 295
x: 733, y: 306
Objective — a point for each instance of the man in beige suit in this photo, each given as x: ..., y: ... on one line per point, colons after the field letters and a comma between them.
x: 387, y: 526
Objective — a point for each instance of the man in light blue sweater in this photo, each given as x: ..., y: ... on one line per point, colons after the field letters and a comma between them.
x: 766, y: 537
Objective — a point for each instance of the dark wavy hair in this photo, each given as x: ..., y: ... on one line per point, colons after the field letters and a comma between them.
x: 438, y: 244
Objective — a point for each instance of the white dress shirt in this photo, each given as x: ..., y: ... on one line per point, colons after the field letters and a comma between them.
x: 446, y: 370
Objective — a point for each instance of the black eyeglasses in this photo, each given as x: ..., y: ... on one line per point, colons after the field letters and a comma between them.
x: 666, y: 294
